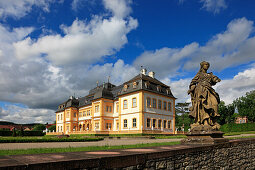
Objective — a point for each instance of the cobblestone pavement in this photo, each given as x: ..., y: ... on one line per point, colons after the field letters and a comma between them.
x: 109, y: 142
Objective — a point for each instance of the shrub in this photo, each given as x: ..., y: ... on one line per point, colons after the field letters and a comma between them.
x: 39, y: 127
x: 14, y: 132
x: 232, y: 127
x: 53, y: 127
x: 5, y: 133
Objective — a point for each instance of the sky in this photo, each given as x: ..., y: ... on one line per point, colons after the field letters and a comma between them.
x: 52, y: 49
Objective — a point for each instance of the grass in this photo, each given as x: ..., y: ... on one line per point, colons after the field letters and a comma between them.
x: 79, y: 149
x: 238, y: 133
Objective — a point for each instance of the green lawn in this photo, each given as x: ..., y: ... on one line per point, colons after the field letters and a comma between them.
x: 78, y: 149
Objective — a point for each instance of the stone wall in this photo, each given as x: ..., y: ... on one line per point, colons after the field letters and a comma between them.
x: 237, y: 154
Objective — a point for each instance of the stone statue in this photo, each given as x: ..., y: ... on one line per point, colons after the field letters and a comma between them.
x: 204, y: 100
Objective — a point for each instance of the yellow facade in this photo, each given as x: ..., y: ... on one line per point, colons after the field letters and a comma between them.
x: 140, y: 110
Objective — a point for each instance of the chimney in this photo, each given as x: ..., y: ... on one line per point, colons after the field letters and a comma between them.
x: 151, y: 74
x: 143, y: 71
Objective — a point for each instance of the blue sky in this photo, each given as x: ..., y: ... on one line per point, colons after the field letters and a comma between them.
x: 51, y: 49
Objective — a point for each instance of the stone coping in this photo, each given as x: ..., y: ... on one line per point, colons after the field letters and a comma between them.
x: 105, y: 159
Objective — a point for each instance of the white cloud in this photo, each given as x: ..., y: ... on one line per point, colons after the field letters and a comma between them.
x: 214, y: 6
x: 19, y: 114
x: 119, y: 8
x: 233, y: 47
x: 231, y: 89
x: 83, y: 42
x: 19, y: 8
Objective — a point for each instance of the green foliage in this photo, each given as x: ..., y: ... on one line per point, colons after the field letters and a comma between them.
x: 40, y: 127
x: 226, y: 113
x: 5, y: 133
x: 14, y: 132
x: 183, y: 119
x: 246, y: 105
x: 53, y: 127
x: 35, y: 140
x: 232, y: 127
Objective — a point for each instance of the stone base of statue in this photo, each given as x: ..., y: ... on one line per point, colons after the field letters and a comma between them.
x: 204, y: 134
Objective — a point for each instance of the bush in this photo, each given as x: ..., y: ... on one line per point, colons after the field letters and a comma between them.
x: 14, y: 134
x: 232, y: 127
x: 5, y: 133
x: 39, y: 127
x: 53, y: 127
x: 35, y: 140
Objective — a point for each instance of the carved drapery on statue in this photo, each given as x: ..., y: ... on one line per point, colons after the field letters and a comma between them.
x: 204, y: 99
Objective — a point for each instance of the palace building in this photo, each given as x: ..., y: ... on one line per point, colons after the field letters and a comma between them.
x: 140, y: 105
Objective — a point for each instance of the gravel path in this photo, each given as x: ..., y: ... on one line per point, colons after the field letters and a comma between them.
x: 109, y: 142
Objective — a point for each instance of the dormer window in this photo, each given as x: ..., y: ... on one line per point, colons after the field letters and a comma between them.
x: 147, y: 84
x: 159, y: 88
x: 134, y: 85
x: 125, y: 87
x: 168, y: 91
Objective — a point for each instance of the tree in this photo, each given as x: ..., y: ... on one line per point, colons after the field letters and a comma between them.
x: 226, y: 113
x: 246, y: 105
x: 40, y: 127
x: 53, y: 127
x: 182, y: 115
x: 14, y: 134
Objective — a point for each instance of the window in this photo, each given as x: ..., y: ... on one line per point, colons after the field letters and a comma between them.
x: 134, y: 122
x: 134, y: 102
x: 125, y: 123
x: 80, y: 114
x: 96, y: 108
x: 148, y: 102
x: 117, y: 107
x: 148, y: 123
x: 67, y: 128
x: 134, y: 85
x: 61, y: 129
x: 125, y: 87
x: 159, y: 123
x: 84, y: 113
x: 108, y: 108
x: 154, y: 123
x: 169, y: 106
x: 164, y: 106
x: 154, y: 103
x: 164, y: 123
x: 125, y: 104
x: 61, y: 117
x: 74, y: 114
x: 169, y: 124
x: 88, y: 113
x: 118, y: 126
x: 97, y: 125
x: 58, y: 117
x: 108, y: 126
x: 67, y: 115
x: 159, y: 104
x: 58, y: 128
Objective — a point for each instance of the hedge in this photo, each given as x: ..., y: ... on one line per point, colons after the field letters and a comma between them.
x: 5, y: 133
x: 25, y: 133
x: 37, y: 140
x: 232, y: 127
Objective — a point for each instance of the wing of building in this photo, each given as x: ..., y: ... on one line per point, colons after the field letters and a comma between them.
x: 140, y: 105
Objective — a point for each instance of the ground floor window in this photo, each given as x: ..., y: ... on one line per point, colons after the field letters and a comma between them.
x: 125, y: 123
x: 134, y: 122
x: 154, y: 123
x: 159, y: 123
x: 97, y: 125
x: 169, y: 124
x: 164, y: 123
x: 148, y: 123
x: 108, y: 126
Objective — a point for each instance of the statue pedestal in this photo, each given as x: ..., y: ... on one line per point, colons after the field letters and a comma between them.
x: 204, y: 135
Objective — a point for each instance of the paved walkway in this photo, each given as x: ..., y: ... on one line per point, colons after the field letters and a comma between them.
x: 109, y: 142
